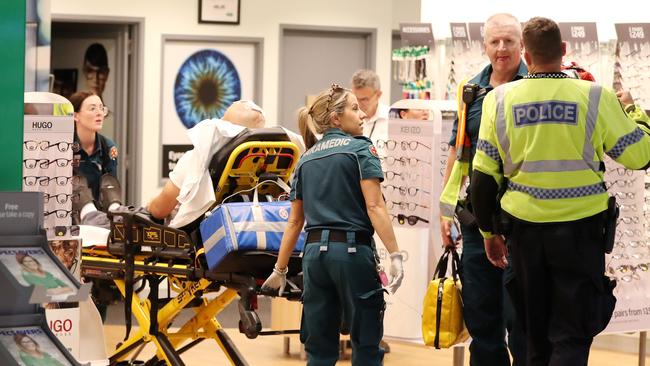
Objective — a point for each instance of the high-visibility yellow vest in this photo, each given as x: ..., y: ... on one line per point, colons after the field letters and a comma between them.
x: 639, y: 116
x: 548, y: 137
x: 451, y: 191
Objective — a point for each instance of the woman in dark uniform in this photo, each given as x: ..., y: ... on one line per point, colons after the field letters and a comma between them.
x: 336, y: 191
x: 97, y: 160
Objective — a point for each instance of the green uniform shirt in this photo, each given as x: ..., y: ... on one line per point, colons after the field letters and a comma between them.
x: 49, y: 281
x: 46, y: 360
x: 548, y: 137
x: 328, y: 180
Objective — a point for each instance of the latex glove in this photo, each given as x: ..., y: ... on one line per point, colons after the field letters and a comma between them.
x: 277, y: 280
x: 496, y: 251
x: 396, y: 272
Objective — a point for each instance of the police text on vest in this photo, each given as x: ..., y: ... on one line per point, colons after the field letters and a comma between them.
x: 545, y: 112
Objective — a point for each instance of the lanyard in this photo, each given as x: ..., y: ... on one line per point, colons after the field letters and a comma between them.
x: 373, y: 128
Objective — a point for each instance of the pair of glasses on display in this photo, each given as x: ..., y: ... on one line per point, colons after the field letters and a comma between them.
x: 404, y: 160
x: 405, y: 145
x: 629, y: 233
x: 624, y: 195
x: 628, y: 272
x: 61, y: 198
x: 32, y: 145
x: 389, y: 174
x: 412, y: 191
x: 31, y: 180
x: 61, y: 214
x: 411, y: 219
x: 411, y: 206
x: 620, y: 183
x: 45, y: 163
x: 621, y: 172
x: 628, y: 220
x: 631, y: 244
x: 637, y: 256
x: 625, y: 207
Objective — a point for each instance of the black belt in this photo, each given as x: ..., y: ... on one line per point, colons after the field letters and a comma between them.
x: 360, y: 237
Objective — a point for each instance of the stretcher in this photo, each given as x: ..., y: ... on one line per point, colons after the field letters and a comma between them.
x: 140, y: 250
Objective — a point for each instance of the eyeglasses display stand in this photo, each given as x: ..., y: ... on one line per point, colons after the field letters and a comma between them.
x: 30, y: 275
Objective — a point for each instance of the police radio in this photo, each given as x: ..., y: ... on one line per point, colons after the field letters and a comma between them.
x: 469, y: 93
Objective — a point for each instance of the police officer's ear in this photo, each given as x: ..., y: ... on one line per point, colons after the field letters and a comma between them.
x: 527, y: 57
x: 563, y: 48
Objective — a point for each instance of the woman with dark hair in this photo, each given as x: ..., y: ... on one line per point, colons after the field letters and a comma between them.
x: 97, y: 156
x: 31, y: 354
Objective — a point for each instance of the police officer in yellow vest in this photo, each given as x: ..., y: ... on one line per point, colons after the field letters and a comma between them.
x: 542, y: 140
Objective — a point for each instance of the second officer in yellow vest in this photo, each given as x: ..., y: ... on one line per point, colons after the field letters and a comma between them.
x: 542, y: 140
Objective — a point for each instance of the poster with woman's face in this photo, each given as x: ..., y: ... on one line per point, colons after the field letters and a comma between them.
x: 30, y: 346
x: 31, y: 266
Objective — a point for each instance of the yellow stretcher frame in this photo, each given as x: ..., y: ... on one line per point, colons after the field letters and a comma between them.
x: 254, y: 160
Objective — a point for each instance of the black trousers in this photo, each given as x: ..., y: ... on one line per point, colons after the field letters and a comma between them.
x: 561, y: 293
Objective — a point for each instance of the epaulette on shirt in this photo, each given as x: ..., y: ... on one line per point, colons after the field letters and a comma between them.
x: 361, y: 137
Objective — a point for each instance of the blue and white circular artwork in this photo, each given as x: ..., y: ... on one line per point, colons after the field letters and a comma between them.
x: 206, y: 84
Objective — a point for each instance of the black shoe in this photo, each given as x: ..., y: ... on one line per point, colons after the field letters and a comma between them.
x: 110, y: 191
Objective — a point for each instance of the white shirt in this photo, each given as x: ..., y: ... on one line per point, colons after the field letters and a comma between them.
x: 376, y: 127
x: 191, y: 174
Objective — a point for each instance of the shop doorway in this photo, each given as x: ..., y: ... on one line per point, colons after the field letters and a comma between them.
x: 313, y: 57
x: 114, y: 46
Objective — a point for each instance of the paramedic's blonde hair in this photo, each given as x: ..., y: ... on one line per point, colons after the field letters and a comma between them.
x: 317, y: 118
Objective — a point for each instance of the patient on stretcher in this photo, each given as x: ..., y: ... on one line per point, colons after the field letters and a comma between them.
x: 190, y: 188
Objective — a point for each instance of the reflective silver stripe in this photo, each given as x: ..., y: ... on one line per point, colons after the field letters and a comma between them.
x: 625, y: 141
x: 556, y: 166
x: 556, y: 193
x: 508, y: 167
x: 540, y: 166
x: 447, y: 210
x: 214, y: 238
x: 258, y: 216
x: 260, y: 226
x: 590, y: 123
x: 489, y: 149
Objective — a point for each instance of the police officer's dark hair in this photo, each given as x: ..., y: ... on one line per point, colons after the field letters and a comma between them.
x: 543, y: 40
x: 316, y: 119
x: 78, y: 98
x: 96, y: 55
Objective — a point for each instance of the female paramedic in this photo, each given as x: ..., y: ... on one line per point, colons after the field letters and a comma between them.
x: 336, y: 190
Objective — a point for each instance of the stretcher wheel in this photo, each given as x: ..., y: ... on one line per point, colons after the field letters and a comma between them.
x: 250, y: 324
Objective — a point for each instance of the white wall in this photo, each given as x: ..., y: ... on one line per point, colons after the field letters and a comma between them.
x: 259, y: 18
x: 605, y: 14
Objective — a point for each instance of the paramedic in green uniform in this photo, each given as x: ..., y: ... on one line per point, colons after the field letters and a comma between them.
x: 336, y: 191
